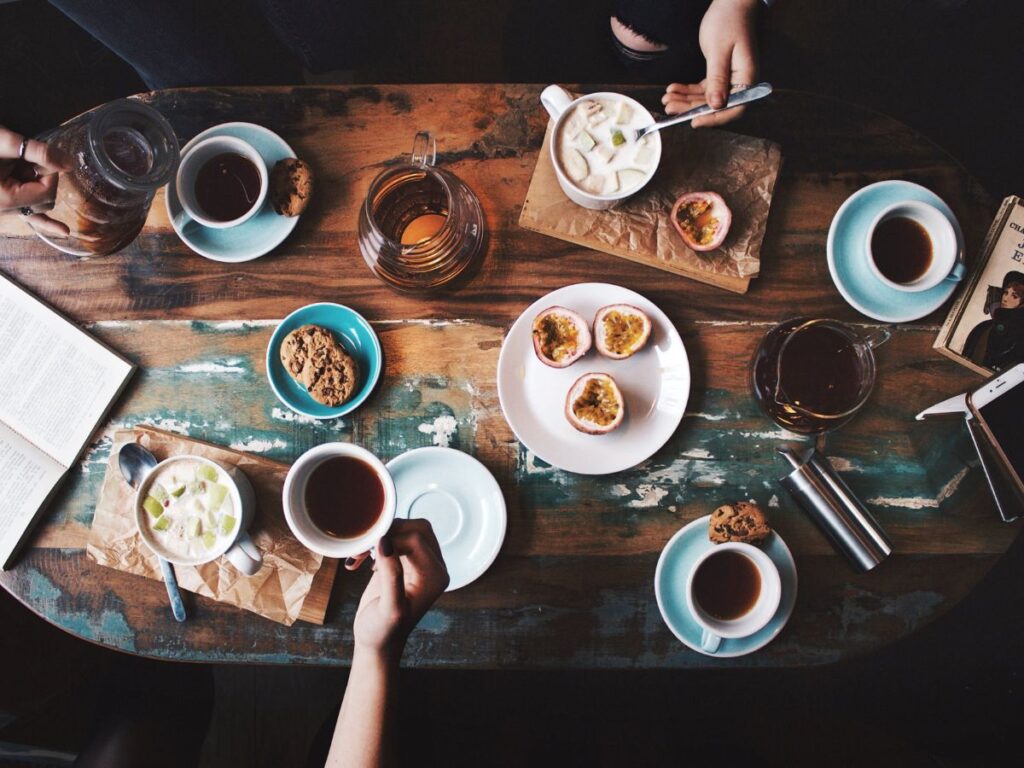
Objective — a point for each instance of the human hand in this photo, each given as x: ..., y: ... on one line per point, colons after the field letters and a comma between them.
x: 409, y: 575
x: 729, y: 44
x: 28, y: 179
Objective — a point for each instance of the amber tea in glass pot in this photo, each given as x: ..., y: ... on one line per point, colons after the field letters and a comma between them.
x: 420, y: 227
x: 811, y: 376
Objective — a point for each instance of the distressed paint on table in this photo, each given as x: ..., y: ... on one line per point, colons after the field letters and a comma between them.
x: 573, y: 585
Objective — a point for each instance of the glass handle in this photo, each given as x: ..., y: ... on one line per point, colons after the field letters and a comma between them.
x: 424, y: 149
x: 877, y: 338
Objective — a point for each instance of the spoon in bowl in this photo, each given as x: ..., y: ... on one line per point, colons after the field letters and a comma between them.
x: 745, y: 96
x: 136, y: 463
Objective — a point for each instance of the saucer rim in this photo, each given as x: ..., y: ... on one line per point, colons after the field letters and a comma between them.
x: 443, y: 451
x: 171, y: 192
x: 911, y: 314
x: 367, y: 388
x: 785, y: 610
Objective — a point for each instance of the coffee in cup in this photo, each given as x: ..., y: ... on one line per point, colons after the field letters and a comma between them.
x: 733, y: 591
x: 222, y: 182
x: 912, y: 246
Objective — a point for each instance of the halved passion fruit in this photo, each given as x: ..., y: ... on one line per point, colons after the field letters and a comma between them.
x: 595, y: 404
x: 560, y: 337
x: 621, y: 330
x: 702, y: 219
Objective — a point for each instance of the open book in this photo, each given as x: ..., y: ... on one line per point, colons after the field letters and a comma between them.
x: 56, y: 385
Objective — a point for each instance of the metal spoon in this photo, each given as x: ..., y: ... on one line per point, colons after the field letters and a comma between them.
x: 753, y: 93
x: 136, y: 463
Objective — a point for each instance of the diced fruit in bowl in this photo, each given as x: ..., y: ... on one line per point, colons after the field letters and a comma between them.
x: 621, y: 330
x: 702, y: 219
x: 154, y: 507
x: 206, y: 472
x: 595, y: 404
x: 560, y: 337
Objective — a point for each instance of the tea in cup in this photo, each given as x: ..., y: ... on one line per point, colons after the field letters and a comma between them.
x: 733, y: 591
x: 339, y: 499
x: 912, y: 246
x: 222, y: 182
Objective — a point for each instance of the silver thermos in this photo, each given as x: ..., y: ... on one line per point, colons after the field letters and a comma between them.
x: 823, y: 495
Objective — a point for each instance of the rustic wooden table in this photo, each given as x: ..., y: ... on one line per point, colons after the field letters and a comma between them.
x: 573, y: 585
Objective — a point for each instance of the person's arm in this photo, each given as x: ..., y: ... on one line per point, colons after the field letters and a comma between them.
x: 408, y: 577
x: 28, y: 178
x: 728, y: 41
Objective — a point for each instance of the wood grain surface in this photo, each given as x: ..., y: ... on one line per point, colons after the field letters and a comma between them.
x: 573, y: 585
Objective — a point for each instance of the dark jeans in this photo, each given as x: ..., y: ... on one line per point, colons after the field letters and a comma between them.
x: 174, y: 43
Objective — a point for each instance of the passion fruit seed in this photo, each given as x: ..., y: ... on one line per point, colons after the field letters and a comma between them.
x: 697, y: 222
x: 621, y: 331
x: 559, y: 337
x: 597, y: 404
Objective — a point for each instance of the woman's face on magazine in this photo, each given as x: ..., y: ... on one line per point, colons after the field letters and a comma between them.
x: 1011, y: 299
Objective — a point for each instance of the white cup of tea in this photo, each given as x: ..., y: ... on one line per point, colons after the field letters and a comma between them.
x: 732, y: 591
x: 339, y: 499
x: 219, y: 192
x: 235, y: 544
x: 912, y: 246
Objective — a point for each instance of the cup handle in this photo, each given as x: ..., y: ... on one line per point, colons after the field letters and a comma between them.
x: 555, y: 100
x: 244, y: 555
x: 424, y: 149
x: 877, y: 338
x: 957, y: 273
x: 709, y: 641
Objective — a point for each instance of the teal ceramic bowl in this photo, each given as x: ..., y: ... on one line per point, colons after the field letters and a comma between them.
x: 354, y: 334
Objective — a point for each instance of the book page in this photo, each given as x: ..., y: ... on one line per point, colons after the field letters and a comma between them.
x: 29, y: 476
x: 56, y: 381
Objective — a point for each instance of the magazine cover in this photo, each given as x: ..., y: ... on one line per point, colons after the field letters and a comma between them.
x: 985, y: 328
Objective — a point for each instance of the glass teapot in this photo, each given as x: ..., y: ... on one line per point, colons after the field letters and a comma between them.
x: 420, y: 227
x: 122, y: 153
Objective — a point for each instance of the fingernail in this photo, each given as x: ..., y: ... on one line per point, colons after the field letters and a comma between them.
x: 349, y: 562
x: 385, y: 547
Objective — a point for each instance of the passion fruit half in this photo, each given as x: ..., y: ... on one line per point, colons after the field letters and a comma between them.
x: 621, y: 330
x: 560, y: 337
x: 702, y: 219
x: 595, y: 404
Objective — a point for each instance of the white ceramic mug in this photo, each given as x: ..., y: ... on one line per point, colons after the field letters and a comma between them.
x: 239, y: 548
x: 193, y: 161
x: 297, y: 515
x: 944, y: 264
x: 754, y: 620
x: 559, y: 103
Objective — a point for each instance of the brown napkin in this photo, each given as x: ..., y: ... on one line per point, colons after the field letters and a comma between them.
x: 293, y: 583
x: 742, y: 169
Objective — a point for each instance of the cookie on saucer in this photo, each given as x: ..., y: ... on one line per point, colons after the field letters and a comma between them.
x: 742, y: 521
x: 291, y: 186
x: 313, y: 358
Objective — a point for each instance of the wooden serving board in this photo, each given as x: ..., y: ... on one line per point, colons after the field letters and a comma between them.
x: 741, y: 168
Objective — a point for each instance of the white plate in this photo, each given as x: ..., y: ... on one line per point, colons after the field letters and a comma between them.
x: 462, y: 501
x: 655, y: 383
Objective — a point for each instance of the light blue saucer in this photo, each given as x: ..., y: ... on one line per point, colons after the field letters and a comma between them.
x: 462, y: 501
x: 253, y: 238
x: 674, y: 565
x: 354, y: 334
x: 847, y: 254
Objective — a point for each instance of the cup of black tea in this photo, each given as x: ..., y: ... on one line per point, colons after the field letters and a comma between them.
x: 339, y: 499
x: 912, y: 246
x: 222, y: 182
x: 733, y: 591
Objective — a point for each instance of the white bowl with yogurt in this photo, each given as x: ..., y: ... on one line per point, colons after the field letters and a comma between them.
x: 597, y: 159
x: 190, y: 510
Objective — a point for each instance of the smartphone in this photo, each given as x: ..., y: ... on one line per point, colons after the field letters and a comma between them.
x: 999, y: 408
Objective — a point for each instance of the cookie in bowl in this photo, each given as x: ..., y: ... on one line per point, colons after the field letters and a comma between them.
x: 311, y: 355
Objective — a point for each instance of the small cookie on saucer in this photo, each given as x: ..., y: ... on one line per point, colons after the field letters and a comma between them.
x: 314, y: 359
x: 291, y: 186
x: 742, y: 521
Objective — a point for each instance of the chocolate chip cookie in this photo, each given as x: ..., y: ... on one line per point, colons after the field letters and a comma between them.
x: 291, y: 186
x: 742, y: 521
x: 313, y: 358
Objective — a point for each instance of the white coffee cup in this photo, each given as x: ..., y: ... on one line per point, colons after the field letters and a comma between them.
x: 238, y: 548
x: 559, y: 104
x: 945, y: 264
x: 297, y: 515
x: 754, y: 620
x: 193, y: 161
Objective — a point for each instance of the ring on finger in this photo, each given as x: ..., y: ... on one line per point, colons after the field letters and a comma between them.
x: 739, y: 86
x: 26, y: 210
x: 22, y: 148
